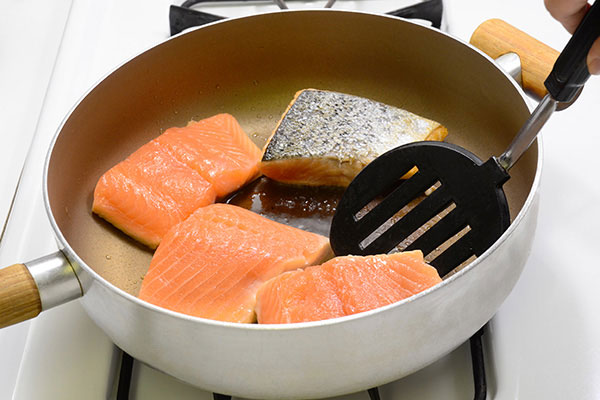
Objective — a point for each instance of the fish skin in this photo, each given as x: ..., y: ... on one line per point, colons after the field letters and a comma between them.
x: 212, y: 264
x: 326, y: 138
x: 343, y: 286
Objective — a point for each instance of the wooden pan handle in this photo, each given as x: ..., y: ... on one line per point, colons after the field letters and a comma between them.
x: 496, y: 37
x: 19, y: 296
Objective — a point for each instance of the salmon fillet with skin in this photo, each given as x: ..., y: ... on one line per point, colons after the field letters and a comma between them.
x: 167, y: 179
x: 343, y: 286
x: 212, y: 264
x: 327, y: 138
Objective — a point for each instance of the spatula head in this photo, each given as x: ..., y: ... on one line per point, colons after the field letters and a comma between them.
x: 372, y: 216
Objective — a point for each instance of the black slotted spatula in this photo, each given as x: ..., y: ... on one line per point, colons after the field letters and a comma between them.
x: 465, y: 190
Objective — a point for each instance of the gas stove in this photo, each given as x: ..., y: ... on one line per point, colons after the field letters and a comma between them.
x: 540, y: 344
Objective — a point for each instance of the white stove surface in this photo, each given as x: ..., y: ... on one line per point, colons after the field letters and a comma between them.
x: 541, y: 344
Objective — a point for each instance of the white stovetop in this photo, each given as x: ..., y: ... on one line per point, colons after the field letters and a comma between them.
x: 543, y: 341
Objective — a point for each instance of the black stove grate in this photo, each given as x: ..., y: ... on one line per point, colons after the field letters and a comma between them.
x: 184, y: 17
x: 374, y: 394
x: 477, y: 363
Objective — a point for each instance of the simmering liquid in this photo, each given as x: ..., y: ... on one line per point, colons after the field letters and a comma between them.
x: 310, y: 208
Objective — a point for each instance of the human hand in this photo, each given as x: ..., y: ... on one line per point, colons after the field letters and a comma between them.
x: 569, y: 13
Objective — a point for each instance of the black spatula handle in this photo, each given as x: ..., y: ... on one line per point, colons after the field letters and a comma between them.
x: 570, y: 70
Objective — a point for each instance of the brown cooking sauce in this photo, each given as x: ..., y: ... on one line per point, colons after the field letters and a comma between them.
x: 310, y: 208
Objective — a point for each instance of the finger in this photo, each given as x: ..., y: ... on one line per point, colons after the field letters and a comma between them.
x: 593, y: 58
x: 568, y: 12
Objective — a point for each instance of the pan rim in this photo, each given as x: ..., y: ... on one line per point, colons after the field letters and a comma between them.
x: 72, y: 254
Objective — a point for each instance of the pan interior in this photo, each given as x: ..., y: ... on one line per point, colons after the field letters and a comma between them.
x: 251, y: 68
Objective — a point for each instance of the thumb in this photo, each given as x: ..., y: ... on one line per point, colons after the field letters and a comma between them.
x: 593, y: 58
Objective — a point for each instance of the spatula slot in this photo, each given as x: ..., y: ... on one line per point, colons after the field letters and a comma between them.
x: 401, y: 197
x: 390, y: 188
x: 399, y: 214
x: 375, y: 211
x: 460, y: 266
x: 412, y: 239
x: 445, y: 224
x: 445, y: 245
x: 454, y: 252
x: 368, y: 207
x: 389, y: 222
x: 399, y: 229
x: 433, y: 187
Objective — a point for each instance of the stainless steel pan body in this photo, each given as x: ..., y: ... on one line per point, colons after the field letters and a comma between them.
x: 251, y: 67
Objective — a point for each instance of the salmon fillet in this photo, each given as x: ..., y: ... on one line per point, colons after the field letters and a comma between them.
x: 149, y: 192
x: 327, y: 138
x: 212, y: 264
x: 218, y: 149
x: 164, y: 181
x: 343, y: 286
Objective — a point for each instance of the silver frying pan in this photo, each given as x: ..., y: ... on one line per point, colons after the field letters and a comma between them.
x: 251, y: 67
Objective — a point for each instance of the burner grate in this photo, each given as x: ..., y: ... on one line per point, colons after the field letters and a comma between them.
x: 184, y: 17
x: 374, y: 394
x: 477, y: 362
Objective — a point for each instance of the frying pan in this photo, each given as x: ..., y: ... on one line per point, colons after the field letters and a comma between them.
x: 251, y: 67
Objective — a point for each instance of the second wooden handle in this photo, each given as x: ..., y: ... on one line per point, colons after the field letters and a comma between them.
x: 19, y: 297
x: 496, y: 37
